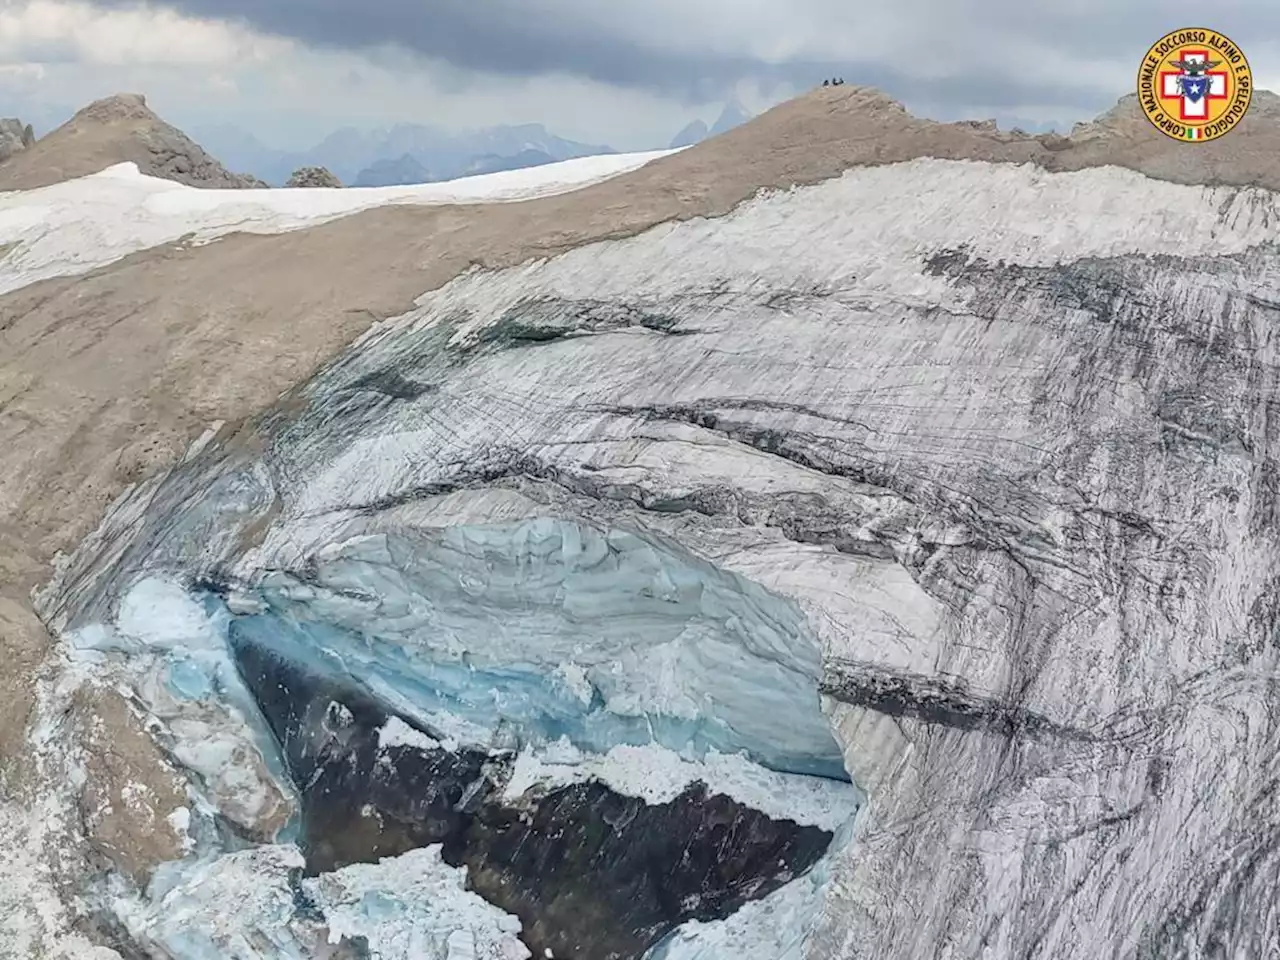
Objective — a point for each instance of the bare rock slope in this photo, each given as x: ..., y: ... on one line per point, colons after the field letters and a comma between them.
x: 105, y: 379
x: 117, y: 129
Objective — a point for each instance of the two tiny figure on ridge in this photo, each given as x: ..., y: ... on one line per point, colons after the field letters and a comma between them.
x: 833, y: 82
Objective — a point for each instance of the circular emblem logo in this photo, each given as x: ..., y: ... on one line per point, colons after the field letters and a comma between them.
x: 1194, y: 85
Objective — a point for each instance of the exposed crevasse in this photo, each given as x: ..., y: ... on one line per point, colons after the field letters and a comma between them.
x: 596, y: 654
x: 603, y: 637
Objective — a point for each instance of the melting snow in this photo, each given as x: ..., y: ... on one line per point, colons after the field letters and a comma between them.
x: 415, y: 907
x: 79, y: 225
x: 396, y: 733
x: 656, y: 774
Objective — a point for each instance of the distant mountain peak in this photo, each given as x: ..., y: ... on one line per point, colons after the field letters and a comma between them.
x: 494, y: 163
x: 734, y: 114
x: 691, y: 134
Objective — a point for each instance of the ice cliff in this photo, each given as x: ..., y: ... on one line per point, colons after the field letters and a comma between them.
x: 967, y: 496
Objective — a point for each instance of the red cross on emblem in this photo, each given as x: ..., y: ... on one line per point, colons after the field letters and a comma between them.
x: 1171, y: 86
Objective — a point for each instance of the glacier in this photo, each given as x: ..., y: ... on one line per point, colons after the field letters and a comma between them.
x: 949, y: 534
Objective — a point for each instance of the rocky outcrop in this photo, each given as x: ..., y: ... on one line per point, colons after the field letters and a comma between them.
x: 117, y: 129
x: 14, y: 137
x: 312, y: 177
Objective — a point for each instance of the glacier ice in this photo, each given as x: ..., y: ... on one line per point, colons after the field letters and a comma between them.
x: 779, y: 926
x: 483, y: 622
x: 415, y: 906
x: 597, y: 655
x: 241, y: 904
x: 997, y: 446
x: 179, y: 666
x: 657, y: 774
x: 256, y: 905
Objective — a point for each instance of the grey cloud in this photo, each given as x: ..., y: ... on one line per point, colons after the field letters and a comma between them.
x: 575, y: 37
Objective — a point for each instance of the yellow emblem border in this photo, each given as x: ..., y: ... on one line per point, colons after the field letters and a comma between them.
x: 1235, y: 63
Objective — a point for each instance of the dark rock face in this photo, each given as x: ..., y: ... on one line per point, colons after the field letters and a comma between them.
x: 592, y: 874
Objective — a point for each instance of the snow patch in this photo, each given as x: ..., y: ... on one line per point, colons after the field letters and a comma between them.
x: 79, y: 225
x: 202, y: 441
x: 180, y: 821
x: 656, y: 774
x: 415, y: 907
x: 159, y: 613
x: 396, y: 733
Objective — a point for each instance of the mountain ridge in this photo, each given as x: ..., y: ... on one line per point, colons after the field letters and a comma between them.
x: 732, y: 114
x: 812, y: 138
x: 117, y: 129
x: 387, y: 172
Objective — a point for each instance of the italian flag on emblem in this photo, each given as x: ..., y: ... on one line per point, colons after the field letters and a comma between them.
x: 1194, y: 133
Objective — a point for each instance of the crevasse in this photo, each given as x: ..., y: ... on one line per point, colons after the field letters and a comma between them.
x: 562, y: 641
x: 556, y: 630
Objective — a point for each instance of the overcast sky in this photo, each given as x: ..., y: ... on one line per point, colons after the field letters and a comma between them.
x: 624, y: 72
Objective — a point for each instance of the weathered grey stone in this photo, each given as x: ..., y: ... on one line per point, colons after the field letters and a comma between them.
x: 312, y: 177
x: 14, y: 136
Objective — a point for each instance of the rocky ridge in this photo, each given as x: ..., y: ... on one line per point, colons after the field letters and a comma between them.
x: 388, y: 173
x: 117, y: 129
